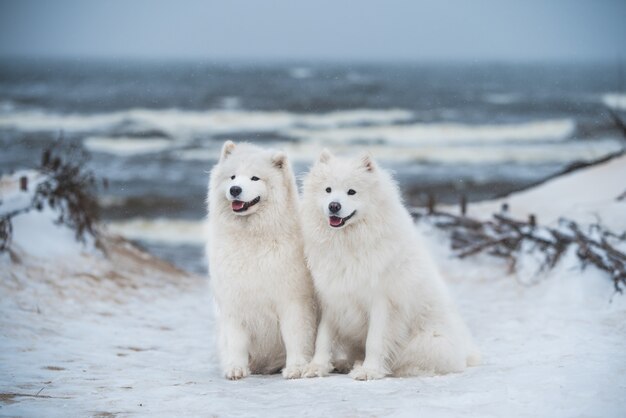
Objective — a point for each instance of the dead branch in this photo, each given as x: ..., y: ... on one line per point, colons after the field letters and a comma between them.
x: 502, y: 236
x: 68, y: 188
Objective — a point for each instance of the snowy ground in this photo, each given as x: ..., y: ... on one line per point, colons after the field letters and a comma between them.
x: 84, y: 335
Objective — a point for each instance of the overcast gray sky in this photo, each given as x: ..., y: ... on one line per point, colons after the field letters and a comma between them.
x: 322, y: 29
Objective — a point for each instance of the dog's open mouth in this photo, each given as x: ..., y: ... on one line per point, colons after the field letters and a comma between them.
x: 240, y: 206
x: 336, y: 221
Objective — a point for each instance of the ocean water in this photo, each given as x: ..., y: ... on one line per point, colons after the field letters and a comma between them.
x: 155, y: 128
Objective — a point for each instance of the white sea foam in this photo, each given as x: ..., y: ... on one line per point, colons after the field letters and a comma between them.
x: 438, y: 133
x: 360, y: 125
x: 496, y: 153
x: 230, y: 102
x: 33, y: 121
x: 300, y: 72
x: 502, y: 98
x: 199, y: 154
x: 125, y: 146
x: 376, y: 130
x: 110, y: 201
x: 305, y: 152
x: 615, y: 100
x: 353, y: 117
x: 181, y: 123
x: 161, y: 230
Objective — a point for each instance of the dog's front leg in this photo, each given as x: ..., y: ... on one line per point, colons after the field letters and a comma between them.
x: 297, y: 325
x: 377, y: 345
x: 321, y: 365
x: 235, y: 354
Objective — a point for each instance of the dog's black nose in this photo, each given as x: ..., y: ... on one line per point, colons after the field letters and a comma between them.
x: 334, y: 207
x: 235, y: 191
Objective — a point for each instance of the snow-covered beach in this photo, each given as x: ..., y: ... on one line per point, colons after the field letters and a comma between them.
x: 83, y: 334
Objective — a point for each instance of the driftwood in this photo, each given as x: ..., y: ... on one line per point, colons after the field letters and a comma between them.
x: 68, y: 187
x: 510, y: 239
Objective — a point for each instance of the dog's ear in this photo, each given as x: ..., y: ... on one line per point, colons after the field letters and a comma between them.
x: 227, y: 149
x: 325, y: 156
x: 367, y: 162
x: 279, y: 159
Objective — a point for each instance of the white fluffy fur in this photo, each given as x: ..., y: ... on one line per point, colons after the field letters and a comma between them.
x: 385, y: 308
x: 262, y: 288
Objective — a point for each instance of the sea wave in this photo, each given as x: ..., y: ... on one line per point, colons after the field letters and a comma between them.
x: 110, y: 201
x: 615, y: 101
x: 392, y: 126
x: 501, y: 98
x: 300, y: 72
x: 438, y: 133
x: 161, y: 230
x: 305, y: 152
x: 180, y: 123
x: 126, y: 146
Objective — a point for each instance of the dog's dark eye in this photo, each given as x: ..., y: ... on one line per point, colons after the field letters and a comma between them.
x: 328, y: 190
x: 351, y: 192
x: 232, y: 177
x: 254, y: 178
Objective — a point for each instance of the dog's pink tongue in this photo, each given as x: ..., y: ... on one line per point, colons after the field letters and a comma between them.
x: 238, y: 204
x: 334, y: 220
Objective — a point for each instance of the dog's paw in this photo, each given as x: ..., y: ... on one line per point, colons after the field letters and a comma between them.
x: 363, y: 373
x: 343, y: 366
x: 236, y: 373
x: 295, y: 371
x: 317, y: 370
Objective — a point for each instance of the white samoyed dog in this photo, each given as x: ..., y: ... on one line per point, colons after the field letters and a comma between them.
x: 384, y: 307
x: 263, y: 290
